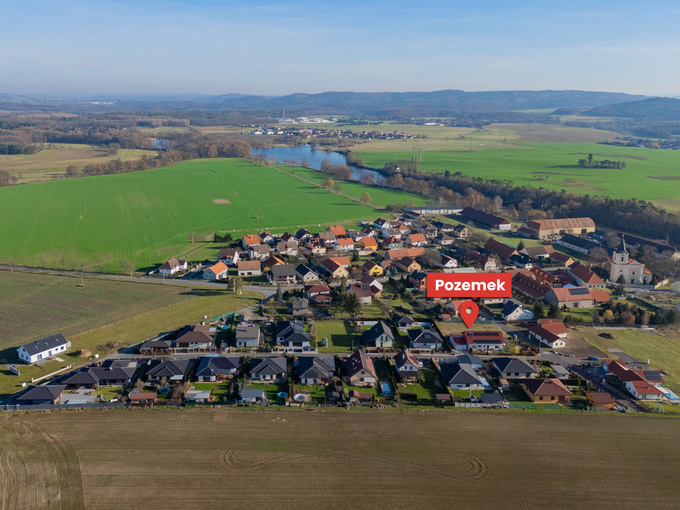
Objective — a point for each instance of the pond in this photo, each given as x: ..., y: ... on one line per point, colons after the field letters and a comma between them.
x: 315, y: 158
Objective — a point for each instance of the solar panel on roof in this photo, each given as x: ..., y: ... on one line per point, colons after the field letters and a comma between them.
x: 579, y: 291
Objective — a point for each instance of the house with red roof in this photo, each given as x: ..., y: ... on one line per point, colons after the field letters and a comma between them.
x: 586, y: 277
x: 546, y: 391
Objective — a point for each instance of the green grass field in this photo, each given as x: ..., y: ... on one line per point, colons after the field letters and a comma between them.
x: 102, y: 312
x: 148, y: 216
x: 650, y: 175
x: 363, y: 459
x: 662, y: 348
x: 51, y: 164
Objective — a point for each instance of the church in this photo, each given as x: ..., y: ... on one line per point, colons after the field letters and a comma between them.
x: 632, y: 271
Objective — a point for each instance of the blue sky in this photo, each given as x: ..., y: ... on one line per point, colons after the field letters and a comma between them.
x: 266, y: 47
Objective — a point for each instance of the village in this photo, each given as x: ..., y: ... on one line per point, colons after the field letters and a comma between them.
x: 351, y: 325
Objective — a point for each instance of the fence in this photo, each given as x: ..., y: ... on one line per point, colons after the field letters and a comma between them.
x: 46, y: 407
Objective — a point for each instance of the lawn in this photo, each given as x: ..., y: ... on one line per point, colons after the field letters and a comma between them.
x: 218, y: 390
x: 426, y: 389
x: 146, y: 217
x: 341, y: 335
x: 271, y: 390
x: 119, y: 458
x: 662, y: 348
x: 101, y: 317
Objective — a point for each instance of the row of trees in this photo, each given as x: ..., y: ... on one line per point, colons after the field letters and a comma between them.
x: 605, y: 163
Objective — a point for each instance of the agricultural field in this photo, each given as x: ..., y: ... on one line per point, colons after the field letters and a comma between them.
x: 362, y: 458
x: 662, y: 348
x: 101, y: 316
x: 141, y: 219
x: 51, y: 163
x: 536, y: 155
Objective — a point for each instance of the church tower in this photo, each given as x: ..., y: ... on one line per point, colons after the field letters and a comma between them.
x: 621, y: 256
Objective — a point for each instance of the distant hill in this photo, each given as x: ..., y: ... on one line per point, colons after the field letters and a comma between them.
x: 655, y: 109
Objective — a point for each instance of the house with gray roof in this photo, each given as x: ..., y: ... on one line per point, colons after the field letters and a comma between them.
x: 425, y: 339
x: 248, y: 336
x: 268, y: 370
x: 315, y: 369
x: 252, y: 396
x: 407, y: 366
x: 513, y: 368
x: 38, y: 395
x: 460, y: 376
x: 213, y: 368
x: 380, y: 335
x: 43, y: 349
x: 162, y: 371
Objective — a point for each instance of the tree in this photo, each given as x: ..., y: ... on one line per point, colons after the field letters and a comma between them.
x: 4, y: 178
x: 329, y: 184
x: 279, y: 293
x: 608, y: 316
x: 365, y: 198
x: 351, y: 304
x: 621, y: 280
x: 539, y: 310
x: 237, y: 281
x: 520, y: 246
x: 627, y: 318
x: 71, y: 171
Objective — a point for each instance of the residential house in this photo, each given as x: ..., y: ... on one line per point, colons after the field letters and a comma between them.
x: 429, y: 231
x: 418, y: 280
x: 504, y: 251
x: 444, y: 240
x: 370, y: 283
x: 333, y: 269
x: 217, y: 271
x: 364, y: 295
x: 407, y: 366
x: 367, y: 244
x: 142, y: 398
x: 472, y: 360
x: 320, y: 294
x: 460, y: 377
x: 345, y: 245
x: 521, y: 261
x: 400, y: 253
x: 478, y: 341
x: 268, y: 370
x: 199, y: 336
x: 513, y: 310
x: 249, y: 268
x: 164, y: 371
x: 530, y: 285
x: 315, y: 369
x: 266, y: 238
x: 381, y: 223
x: 259, y: 251
x: 305, y: 274
x: 644, y: 390
x: 550, y: 332
x: 282, y: 274
x: 292, y: 337
x: 288, y: 248
x: 40, y: 395
x: 392, y: 243
x: 561, y: 258
x: 316, y: 246
x: 586, y: 277
x: 250, y: 240
x: 379, y: 335
x: 251, y: 396
x: 328, y: 238
x: 337, y: 230
x: 546, y: 391
x: 487, y: 263
x: 416, y: 239
x: 197, y: 397
x: 248, y: 336
x: 360, y: 370
x: 405, y: 322
x: 229, y: 256
x: 513, y: 368
x: 213, y: 368
x: 461, y: 232
x: 425, y: 339
x: 43, y: 349
x: 299, y: 307
x: 303, y: 235
x: 372, y: 269
x: 173, y: 266
x: 600, y: 399
x: 448, y: 262
x: 408, y: 265
x: 270, y: 262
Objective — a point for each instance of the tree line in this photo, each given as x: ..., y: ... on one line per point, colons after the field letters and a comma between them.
x: 605, y: 163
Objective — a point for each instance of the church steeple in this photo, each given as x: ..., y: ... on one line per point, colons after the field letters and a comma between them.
x: 623, y: 244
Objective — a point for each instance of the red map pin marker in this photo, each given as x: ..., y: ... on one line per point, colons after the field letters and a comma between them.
x: 468, y: 311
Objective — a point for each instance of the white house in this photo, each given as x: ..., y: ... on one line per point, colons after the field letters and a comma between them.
x: 173, y: 266
x: 513, y: 311
x: 216, y: 272
x: 229, y: 256
x: 42, y: 349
